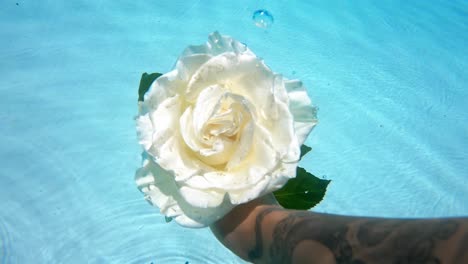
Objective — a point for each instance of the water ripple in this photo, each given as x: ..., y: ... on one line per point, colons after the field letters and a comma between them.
x: 389, y: 80
x: 5, y: 243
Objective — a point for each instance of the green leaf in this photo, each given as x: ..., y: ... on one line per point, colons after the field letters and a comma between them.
x: 145, y: 83
x: 303, y: 192
x: 304, y: 150
x: 168, y: 219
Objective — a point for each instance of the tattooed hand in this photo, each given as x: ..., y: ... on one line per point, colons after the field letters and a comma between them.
x: 261, y: 231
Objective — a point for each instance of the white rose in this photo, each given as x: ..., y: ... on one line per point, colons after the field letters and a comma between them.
x: 219, y: 130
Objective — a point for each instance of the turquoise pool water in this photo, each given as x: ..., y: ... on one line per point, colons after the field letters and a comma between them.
x: 390, y: 79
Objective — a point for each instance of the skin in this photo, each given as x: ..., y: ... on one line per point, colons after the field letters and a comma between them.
x: 261, y: 231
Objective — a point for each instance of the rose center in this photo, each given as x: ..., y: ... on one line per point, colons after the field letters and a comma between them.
x: 221, y: 132
x: 219, y: 127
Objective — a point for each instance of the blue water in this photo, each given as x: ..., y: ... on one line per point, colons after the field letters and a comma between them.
x: 390, y: 79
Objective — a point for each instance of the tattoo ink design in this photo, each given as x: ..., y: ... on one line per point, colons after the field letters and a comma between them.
x: 446, y: 229
x: 301, y: 226
x: 462, y: 250
x: 374, y: 231
x: 257, y: 251
x: 415, y: 242
x: 402, y: 241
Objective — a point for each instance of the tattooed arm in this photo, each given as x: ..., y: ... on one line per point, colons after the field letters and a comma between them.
x: 261, y: 231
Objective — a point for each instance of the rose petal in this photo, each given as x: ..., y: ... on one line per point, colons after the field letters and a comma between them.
x: 164, y: 124
x: 144, y: 131
x: 201, y: 217
x: 167, y: 148
x: 177, y: 159
x: 305, y: 115
x: 165, y: 86
x: 202, y: 198
x: 187, y: 65
x: 207, y: 101
x: 244, y: 74
x: 243, y: 148
x: 188, y: 132
x: 246, y: 195
x: 284, y: 136
x: 216, y: 45
x: 159, y: 187
x: 263, y: 160
x: 161, y: 190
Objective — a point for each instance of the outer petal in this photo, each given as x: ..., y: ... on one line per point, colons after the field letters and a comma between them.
x: 202, y: 198
x: 243, y: 74
x: 282, y: 131
x: 201, y: 217
x: 216, y: 45
x: 305, y: 115
x: 144, y: 131
x: 167, y: 85
x: 161, y: 190
x: 187, y: 65
x: 163, y: 124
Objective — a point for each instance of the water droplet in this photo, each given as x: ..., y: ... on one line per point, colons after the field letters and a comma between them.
x: 262, y: 18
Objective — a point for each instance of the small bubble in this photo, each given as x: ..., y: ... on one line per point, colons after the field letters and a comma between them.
x: 262, y: 18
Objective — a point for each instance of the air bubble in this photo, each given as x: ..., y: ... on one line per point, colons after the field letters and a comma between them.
x: 262, y: 18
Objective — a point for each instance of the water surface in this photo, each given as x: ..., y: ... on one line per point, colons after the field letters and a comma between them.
x: 389, y: 78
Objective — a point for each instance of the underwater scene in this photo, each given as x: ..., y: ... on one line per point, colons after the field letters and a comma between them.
x: 388, y: 89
